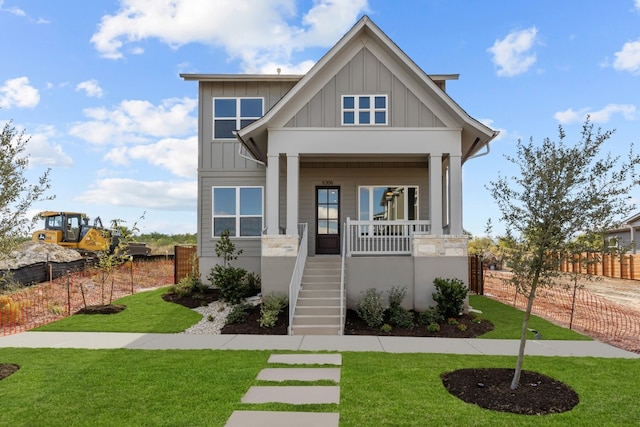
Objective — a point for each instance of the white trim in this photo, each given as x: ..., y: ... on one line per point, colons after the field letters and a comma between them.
x: 237, y: 216
x: 238, y: 117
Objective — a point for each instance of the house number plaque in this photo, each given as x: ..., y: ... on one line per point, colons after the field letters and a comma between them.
x: 327, y: 182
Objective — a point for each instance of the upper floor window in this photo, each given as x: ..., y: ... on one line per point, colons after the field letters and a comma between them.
x: 365, y: 109
x: 231, y: 114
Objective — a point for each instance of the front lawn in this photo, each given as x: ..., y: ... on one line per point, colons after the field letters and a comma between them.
x: 146, y: 312
x: 203, y: 387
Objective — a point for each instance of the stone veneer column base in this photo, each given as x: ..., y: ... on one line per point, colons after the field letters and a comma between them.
x: 279, y: 253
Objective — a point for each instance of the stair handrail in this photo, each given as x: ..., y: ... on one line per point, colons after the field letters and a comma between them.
x: 298, y: 270
x: 342, y: 290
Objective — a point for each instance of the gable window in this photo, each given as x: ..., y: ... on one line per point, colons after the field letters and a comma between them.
x: 237, y: 209
x: 364, y: 110
x: 231, y: 114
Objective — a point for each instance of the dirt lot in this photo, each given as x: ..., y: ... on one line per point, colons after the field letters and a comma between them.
x: 620, y: 291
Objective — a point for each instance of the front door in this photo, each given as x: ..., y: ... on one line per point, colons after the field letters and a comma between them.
x: 328, y: 220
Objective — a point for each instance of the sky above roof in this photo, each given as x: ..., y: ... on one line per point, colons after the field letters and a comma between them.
x: 95, y: 84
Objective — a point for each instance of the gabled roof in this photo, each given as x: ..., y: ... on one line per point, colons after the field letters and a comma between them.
x: 475, y: 134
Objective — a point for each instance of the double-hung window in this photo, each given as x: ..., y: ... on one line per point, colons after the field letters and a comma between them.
x: 237, y: 209
x: 231, y: 114
x: 365, y: 110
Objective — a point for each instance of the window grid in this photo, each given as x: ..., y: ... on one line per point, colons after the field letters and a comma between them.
x: 365, y: 110
x: 236, y: 220
x: 231, y: 114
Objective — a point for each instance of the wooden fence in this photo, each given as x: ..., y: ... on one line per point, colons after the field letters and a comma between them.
x: 608, y: 265
x: 186, y: 262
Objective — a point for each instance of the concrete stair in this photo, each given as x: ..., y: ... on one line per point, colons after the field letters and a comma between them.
x: 318, y: 306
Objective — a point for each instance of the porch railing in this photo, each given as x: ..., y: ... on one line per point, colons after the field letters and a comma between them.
x: 343, y: 301
x: 296, y: 276
x: 383, y: 237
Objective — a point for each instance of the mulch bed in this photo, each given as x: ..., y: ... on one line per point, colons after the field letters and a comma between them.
x: 194, y: 300
x: 102, y: 309
x: 7, y: 369
x: 490, y: 388
x: 252, y: 324
x: 354, y: 325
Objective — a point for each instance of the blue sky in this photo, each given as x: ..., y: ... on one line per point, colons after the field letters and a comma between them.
x: 96, y: 84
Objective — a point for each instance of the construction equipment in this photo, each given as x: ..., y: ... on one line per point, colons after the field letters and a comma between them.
x: 72, y: 230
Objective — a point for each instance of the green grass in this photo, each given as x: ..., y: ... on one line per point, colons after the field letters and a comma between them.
x: 146, y: 312
x: 203, y: 387
x: 507, y: 322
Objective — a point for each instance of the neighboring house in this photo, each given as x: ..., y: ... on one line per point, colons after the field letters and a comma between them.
x: 623, y: 239
x: 365, y: 149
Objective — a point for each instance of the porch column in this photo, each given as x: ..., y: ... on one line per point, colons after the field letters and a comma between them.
x: 293, y: 180
x: 272, y: 196
x: 435, y: 193
x: 455, y: 195
x: 632, y: 234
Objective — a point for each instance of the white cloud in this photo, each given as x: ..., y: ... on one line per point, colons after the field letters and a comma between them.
x: 136, y: 121
x: 122, y: 192
x: 637, y: 5
x: 628, y: 59
x: 512, y: 55
x: 13, y: 10
x: 257, y: 32
x: 628, y: 111
x: 178, y: 156
x: 42, y: 151
x: 18, y: 93
x: 91, y: 88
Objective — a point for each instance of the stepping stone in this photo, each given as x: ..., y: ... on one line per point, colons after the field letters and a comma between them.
x: 283, y: 419
x: 307, y: 359
x: 294, y: 395
x: 299, y: 374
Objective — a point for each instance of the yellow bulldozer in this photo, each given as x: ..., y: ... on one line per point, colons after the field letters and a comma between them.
x: 72, y: 230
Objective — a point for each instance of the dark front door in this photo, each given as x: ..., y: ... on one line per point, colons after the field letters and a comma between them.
x: 327, y: 220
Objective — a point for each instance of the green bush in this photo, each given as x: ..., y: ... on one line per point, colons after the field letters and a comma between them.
x: 253, y: 284
x: 270, y: 309
x: 401, y: 317
x: 396, y: 295
x: 370, y: 308
x: 433, y: 327
x: 386, y: 328
x: 239, y: 313
x: 186, y: 286
x: 450, y: 296
x: 230, y: 281
x: 430, y: 315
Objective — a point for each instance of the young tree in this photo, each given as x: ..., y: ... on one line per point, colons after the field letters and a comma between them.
x: 16, y: 194
x: 562, y: 191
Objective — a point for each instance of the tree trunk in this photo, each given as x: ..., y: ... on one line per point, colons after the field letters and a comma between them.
x: 523, y: 334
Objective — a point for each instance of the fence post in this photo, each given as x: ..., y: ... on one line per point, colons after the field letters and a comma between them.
x: 68, y: 293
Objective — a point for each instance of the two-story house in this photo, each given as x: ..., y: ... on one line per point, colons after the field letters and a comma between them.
x: 349, y: 175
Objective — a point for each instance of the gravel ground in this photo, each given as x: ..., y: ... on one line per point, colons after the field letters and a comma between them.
x: 214, y: 317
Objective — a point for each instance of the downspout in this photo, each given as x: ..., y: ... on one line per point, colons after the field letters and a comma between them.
x: 240, y: 150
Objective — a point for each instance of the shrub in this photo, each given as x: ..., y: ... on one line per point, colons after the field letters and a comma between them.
x: 239, y: 313
x: 401, y: 317
x: 433, y: 327
x: 462, y: 327
x: 396, y: 295
x: 386, y: 328
x: 370, y: 308
x: 230, y: 280
x: 450, y: 296
x: 270, y: 309
x: 185, y: 287
x: 253, y: 284
x: 430, y: 315
x: 452, y: 321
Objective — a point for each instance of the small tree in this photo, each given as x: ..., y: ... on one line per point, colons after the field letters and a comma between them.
x: 229, y: 279
x: 562, y: 191
x: 16, y: 194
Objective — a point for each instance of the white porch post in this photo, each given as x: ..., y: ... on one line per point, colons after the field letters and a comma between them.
x: 272, y: 196
x: 455, y: 195
x: 293, y: 179
x: 435, y: 193
x: 632, y: 234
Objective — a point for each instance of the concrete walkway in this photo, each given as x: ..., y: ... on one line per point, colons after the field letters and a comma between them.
x: 106, y: 340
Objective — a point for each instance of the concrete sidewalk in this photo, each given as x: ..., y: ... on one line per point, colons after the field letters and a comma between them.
x: 108, y: 340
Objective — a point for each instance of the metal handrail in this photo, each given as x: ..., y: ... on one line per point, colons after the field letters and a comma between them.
x: 342, y: 285
x: 298, y: 271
